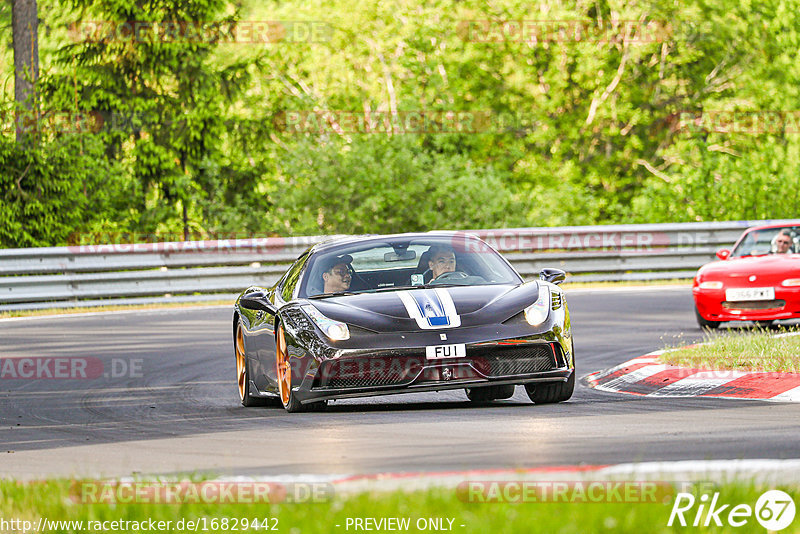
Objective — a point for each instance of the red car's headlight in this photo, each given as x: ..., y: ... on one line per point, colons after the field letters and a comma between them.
x: 791, y: 282
x: 710, y: 285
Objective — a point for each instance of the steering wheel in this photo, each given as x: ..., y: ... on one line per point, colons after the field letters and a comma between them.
x: 452, y: 275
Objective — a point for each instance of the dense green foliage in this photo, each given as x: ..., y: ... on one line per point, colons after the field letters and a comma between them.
x: 198, y: 135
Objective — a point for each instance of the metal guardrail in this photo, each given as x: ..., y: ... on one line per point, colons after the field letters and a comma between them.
x: 89, y: 275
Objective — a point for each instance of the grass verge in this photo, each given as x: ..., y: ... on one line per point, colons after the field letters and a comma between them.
x: 740, y: 350
x: 449, y: 509
x: 111, y: 307
x: 628, y: 283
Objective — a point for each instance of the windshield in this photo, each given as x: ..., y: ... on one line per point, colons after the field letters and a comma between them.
x: 402, y: 263
x: 783, y: 240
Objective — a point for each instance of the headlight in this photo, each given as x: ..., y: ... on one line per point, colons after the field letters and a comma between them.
x: 710, y: 285
x: 537, y: 312
x: 335, y: 330
x: 791, y: 282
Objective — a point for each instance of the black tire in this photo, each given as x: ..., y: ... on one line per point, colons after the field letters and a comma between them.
x: 551, y: 392
x: 243, y: 373
x: 490, y: 393
x: 285, y: 392
x: 712, y: 325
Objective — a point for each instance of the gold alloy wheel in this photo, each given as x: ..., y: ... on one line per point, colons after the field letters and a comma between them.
x: 241, y: 374
x: 284, y: 372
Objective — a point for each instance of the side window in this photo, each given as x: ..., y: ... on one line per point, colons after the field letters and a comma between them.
x: 290, y: 281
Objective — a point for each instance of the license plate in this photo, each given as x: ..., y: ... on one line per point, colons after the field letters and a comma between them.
x: 437, y: 352
x: 738, y: 294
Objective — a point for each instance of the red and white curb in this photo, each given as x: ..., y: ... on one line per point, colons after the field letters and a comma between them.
x: 646, y: 376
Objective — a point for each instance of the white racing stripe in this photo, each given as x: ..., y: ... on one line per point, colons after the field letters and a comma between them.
x: 432, y: 309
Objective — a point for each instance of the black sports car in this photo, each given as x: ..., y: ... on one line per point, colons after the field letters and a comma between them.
x: 378, y: 315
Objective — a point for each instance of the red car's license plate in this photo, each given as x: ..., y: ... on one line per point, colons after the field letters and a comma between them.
x: 738, y: 294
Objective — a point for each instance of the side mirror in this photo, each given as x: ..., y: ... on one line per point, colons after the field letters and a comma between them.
x: 554, y: 276
x: 723, y: 253
x: 257, y: 300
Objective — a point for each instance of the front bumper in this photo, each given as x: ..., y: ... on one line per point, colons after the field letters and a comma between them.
x: 712, y: 306
x: 367, y: 372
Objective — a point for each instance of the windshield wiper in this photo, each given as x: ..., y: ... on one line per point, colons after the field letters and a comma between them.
x: 381, y: 290
x: 423, y: 286
x: 335, y: 294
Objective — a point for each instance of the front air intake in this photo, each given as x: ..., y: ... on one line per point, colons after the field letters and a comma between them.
x: 555, y: 300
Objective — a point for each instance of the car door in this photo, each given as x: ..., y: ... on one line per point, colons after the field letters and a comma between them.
x: 264, y: 326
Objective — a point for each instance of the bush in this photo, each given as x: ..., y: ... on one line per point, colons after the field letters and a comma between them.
x: 385, y: 185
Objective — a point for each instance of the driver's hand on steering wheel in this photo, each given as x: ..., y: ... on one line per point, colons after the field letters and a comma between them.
x: 451, y: 275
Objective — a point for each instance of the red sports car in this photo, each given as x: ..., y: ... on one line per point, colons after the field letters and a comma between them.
x: 759, y: 280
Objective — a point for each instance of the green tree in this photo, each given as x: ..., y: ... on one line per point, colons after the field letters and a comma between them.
x: 167, y: 98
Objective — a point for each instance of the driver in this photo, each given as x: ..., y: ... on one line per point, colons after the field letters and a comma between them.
x: 783, y: 243
x: 443, y: 260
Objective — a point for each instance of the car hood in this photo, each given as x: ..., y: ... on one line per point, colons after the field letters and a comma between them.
x: 420, y: 309
x: 769, y: 268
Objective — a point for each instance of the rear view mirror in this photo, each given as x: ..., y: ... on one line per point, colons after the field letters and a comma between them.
x: 723, y: 253
x: 401, y: 255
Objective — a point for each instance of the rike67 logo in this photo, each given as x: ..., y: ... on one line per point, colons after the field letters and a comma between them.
x: 774, y: 510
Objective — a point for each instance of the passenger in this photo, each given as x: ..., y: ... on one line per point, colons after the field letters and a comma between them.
x: 443, y: 260
x: 337, y: 277
x: 783, y: 242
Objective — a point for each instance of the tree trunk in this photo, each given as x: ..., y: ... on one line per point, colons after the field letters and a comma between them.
x: 25, y: 30
x: 185, y: 222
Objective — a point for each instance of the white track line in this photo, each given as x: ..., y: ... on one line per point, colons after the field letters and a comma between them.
x: 764, y: 471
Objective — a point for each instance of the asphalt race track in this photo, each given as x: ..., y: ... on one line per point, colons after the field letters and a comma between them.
x: 168, y: 404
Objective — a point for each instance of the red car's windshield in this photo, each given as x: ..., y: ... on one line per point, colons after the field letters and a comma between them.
x: 782, y: 240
